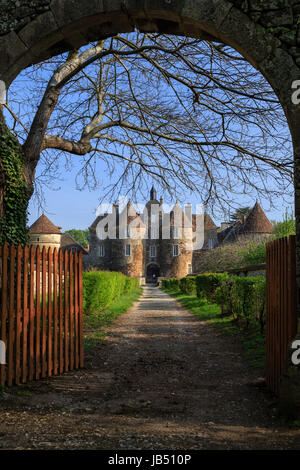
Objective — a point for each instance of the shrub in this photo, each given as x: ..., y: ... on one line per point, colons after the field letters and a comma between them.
x: 207, y: 285
x: 188, y: 285
x: 241, y: 297
x: 244, y: 298
x: 286, y: 227
x: 101, y: 288
x: 172, y: 284
x: 254, y: 252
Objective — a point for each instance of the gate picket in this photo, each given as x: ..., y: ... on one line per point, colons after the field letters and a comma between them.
x: 281, y: 308
x: 41, y: 317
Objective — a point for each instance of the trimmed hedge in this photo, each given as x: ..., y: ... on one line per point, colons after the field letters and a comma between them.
x: 172, y: 284
x: 188, y: 285
x: 244, y: 298
x: 207, y: 284
x: 241, y: 297
x: 101, y: 288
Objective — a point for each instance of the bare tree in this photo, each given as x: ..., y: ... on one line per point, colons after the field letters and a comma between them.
x: 192, y: 115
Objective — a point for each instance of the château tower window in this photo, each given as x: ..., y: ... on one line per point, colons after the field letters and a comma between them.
x: 127, y: 250
x: 101, y: 250
x: 152, y: 251
x: 175, y: 250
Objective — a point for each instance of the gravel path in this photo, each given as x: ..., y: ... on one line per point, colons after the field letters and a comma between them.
x: 162, y: 379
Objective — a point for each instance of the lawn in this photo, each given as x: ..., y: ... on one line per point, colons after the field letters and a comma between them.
x: 251, y: 340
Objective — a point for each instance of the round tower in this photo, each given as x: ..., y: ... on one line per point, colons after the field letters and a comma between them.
x: 44, y: 233
x: 176, y: 250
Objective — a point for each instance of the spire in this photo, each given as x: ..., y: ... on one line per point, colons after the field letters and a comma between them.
x: 152, y: 194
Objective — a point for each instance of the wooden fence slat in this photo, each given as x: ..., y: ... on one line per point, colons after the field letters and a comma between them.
x: 66, y: 310
x: 25, y: 315
x: 50, y: 320
x: 71, y: 311
x: 76, y: 309
x: 31, y: 314
x: 44, y: 313
x: 281, y: 308
x: 38, y: 368
x: 55, y: 312
x: 19, y: 315
x: 11, y: 316
x: 80, y: 289
x: 41, y: 316
x: 61, y: 312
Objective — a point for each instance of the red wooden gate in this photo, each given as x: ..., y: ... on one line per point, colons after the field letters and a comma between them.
x: 281, y: 308
x: 41, y: 318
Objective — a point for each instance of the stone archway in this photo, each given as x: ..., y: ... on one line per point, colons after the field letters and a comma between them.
x: 268, y: 36
x: 152, y: 273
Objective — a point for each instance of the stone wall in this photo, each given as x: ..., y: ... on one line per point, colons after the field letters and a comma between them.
x: 15, y: 14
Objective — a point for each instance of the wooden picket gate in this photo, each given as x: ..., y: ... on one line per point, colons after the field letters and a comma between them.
x: 41, y: 318
x: 281, y: 306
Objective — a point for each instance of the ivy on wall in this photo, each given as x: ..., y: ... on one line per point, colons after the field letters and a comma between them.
x: 15, y: 191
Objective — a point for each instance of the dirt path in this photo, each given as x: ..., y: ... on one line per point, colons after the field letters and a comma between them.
x: 161, y: 380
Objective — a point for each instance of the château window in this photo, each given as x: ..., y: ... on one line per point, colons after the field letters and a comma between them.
x: 175, y: 232
x: 128, y: 232
x: 127, y: 250
x: 101, y: 250
x: 190, y: 269
x: 175, y: 250
x: 152, y: 251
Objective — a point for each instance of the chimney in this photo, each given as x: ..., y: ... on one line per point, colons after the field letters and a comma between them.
x: 224, y: 226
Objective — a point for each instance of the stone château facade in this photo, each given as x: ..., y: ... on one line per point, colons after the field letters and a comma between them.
x: 141, y: 246
x: 151, y: 253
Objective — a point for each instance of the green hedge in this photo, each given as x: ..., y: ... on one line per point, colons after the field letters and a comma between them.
x: 207, y: 285
x: 188, y: 285
x: 172, y: 284
x: 241, y: 297
x: 244, y: 298
x: 101, y: 288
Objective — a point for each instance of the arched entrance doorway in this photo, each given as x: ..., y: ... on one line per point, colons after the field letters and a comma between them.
x: 260, y: 34
x: 152, y: 273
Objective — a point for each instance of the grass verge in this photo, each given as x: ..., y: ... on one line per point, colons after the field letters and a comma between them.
x: 95, y: 323
x: 251, y: 340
